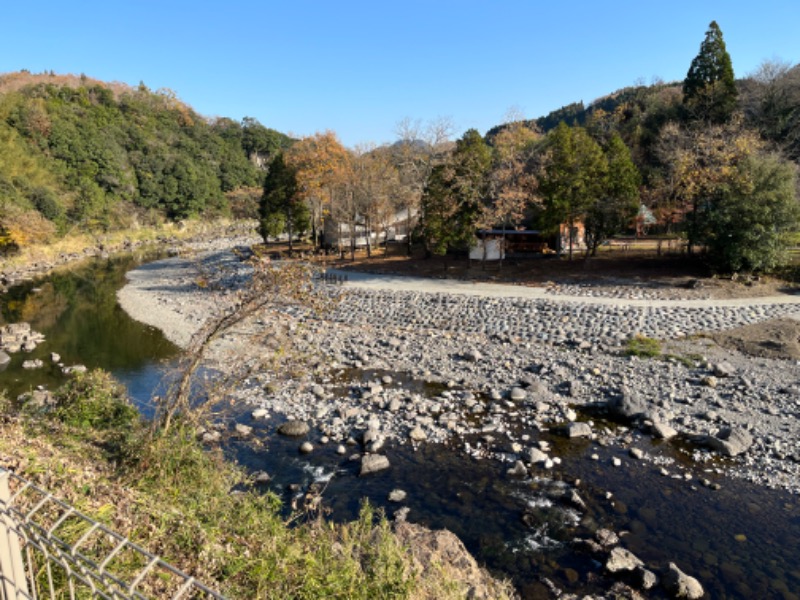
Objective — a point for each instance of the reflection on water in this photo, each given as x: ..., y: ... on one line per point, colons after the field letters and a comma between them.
x: 77, y: 311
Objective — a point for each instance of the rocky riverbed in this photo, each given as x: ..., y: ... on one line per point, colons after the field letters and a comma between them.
x: 508, y: 366
x: 505, y: 362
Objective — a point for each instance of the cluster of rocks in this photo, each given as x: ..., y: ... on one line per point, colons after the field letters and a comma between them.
x: 496, y: 385
x: 19, y: 337
x: 584, y: 325
x: 633, y: 572
x: 692, y: 290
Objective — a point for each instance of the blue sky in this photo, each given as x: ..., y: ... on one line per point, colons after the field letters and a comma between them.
x: 359, y: 67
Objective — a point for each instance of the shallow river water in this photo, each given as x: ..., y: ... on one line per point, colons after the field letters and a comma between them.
x: 740, y: 541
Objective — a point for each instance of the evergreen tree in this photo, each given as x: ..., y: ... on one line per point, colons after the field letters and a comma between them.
x: 611, y: 213
x: 281, y: 209
x: 454, y: 196
x: 709, y: 90
x: 574, y: 177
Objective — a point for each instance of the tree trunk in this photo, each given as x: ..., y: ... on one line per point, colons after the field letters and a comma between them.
x: 368, y: 235
x: 290, y: 224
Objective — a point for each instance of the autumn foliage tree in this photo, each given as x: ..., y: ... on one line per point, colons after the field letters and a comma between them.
x: 320, y: 162
x: 513, y: 186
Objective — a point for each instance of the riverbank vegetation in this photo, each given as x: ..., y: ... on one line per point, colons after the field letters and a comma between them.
x: 167, y: 492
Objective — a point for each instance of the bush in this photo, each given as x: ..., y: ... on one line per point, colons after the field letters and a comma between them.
x: 643, y: 346
x: 749, y: 224
x: 95, y: 400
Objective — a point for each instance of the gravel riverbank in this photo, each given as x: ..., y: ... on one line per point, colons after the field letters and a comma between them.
x: 509, y: 362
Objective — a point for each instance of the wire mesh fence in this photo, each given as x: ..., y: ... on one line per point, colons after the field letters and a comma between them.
x: 50, y: 550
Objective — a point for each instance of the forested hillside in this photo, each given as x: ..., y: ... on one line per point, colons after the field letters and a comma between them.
x: 76, y: 153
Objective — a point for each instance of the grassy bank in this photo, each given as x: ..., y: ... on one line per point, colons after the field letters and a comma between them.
x: 185, y: 503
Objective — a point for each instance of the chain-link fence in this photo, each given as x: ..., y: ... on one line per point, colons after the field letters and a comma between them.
x: 50, y: 550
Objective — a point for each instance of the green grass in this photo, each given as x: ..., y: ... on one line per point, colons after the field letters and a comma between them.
x: 643, y: 346
x: 196, y: 510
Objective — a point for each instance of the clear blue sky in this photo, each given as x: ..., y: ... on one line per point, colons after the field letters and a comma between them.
x: 359, y: 67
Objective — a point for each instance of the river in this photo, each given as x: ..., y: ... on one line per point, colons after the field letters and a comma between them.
x: 740, y: 541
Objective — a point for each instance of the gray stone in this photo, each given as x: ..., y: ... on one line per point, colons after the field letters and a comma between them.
x: 211, y: 437
x: 578, y: 429
x: 473, y: 356
x: 517, y: 394
x: 710, y: 381
x: 74, y: 369
x: 372, y: 463
x: 243, y: 430
x: 680, y: 585
x: 647, y: 580
x: 663, y: 431
x: 518, y: 470
x: 259, y: 413
x: 535, y: 456
x: 724, y: 369
x: 627, y: 405
x: 620, y: 559
x: 306, y: 448
x: 293, y: 428
x: 731, y: 441
x: 261, y: 477
x: 397, y: 495
x: 4, y: 360
x: 418, y: 434
x: 606, y: 538
x: 32, y: 364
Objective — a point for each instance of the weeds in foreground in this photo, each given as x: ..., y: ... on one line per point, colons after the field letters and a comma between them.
x: 188, y: 505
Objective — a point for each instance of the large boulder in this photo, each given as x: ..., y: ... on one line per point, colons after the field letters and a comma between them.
x: 680, y: 585
x: 372, y: 463
x: 731, y: 441
x: 444, y: 551
x: 578, y: 430
x: 293, y: 428
x: 627, y: 405
x: 620, y: 559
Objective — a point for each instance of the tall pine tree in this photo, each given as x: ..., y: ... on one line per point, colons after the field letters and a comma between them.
x: 709, y: 90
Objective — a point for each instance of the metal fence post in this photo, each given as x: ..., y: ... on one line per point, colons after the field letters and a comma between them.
x: 12, y: 569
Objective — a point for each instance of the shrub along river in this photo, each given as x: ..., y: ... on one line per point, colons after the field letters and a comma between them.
x: 740, y: 541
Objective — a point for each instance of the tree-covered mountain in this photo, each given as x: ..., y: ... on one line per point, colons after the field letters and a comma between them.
x: 77, y: 153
